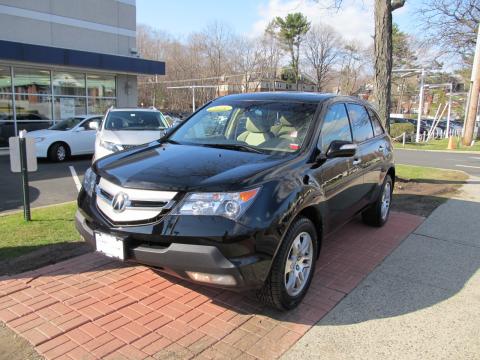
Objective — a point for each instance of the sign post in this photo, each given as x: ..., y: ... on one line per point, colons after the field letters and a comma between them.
x: 23, y: 165
x: 22, y: 160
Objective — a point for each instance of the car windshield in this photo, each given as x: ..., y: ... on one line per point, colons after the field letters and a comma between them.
x: 135, y: 120
x: 67, y: 124
x: 255, y: 126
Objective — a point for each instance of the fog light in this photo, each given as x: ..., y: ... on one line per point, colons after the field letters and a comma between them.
x: 212, y: 278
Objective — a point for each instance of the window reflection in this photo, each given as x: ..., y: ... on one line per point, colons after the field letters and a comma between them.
x: 67, y: 107
x: 31, y: 81
x: 99, y: 106
x: 68, y: 83
x: 101, y: 85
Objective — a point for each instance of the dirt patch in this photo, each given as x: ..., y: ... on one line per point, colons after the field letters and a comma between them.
x: 14, y: 347
x: 421, y: 198
x: 46, y: 255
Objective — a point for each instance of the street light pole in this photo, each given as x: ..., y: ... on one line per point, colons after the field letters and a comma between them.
x: 420, y: 105
x: 474, y: 95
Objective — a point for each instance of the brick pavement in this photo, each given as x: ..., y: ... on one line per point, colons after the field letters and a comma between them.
x: 91, y: 307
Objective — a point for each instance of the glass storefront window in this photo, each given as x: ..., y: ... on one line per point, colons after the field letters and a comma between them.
x: 31, y: 81
x: 5, y: 80
x: 68, y: 83
x: 67, y: 107
x: 101, y: 85
x: 33, y: 107
x: 99, y: 106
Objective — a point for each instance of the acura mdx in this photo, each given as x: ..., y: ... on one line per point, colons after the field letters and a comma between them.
x: 242, y: 193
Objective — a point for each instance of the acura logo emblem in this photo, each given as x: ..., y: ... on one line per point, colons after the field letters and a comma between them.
x: 120, y: 202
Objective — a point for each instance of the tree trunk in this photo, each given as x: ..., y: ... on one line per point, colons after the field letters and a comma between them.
x: 383, y: 59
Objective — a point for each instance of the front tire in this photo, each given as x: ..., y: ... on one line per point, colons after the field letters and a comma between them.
x: 58, y: 152
x: 293, y: 267
x: 377, y: 214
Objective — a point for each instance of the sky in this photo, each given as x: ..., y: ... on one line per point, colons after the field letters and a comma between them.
x: 250, y: 17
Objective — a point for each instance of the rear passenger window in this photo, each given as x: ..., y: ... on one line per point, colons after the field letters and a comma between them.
x: 361, y: 127
x: 377, y: 127
x: 335, y: 126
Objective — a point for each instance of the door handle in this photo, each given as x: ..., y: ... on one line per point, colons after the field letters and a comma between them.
x: 356, y: 161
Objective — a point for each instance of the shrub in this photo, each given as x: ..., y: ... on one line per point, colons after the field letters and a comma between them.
x: 399, y: 129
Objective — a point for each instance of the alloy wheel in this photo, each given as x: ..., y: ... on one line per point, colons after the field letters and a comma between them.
x: 386, y: 199
x: 298, y: 264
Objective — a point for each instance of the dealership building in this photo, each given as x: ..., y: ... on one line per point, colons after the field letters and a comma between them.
x: 61, y: 58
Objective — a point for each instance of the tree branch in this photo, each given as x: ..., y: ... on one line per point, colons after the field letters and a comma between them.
x: 396, y: 4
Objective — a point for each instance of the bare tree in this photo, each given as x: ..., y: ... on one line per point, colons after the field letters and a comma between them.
x: 452, y: 24
x: 321, y: 51
x: 351, y: 66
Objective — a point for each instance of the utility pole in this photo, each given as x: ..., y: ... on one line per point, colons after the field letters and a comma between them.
x: 420, y: 105
x: 475, y: 89
x: 449, y: 110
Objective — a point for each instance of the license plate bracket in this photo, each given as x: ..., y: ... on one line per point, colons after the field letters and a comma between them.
x: 110, y: 245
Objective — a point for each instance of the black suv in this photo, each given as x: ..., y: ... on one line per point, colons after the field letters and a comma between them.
x: 241, y: 194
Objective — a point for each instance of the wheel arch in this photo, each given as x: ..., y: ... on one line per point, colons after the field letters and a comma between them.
x: 314, y: 215
x: 391, y: 172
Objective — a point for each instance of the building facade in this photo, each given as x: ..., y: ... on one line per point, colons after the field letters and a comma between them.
x: 61, y: 58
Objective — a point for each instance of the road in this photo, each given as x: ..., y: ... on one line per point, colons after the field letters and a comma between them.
x: 470, y: 163
x: 51, y: 184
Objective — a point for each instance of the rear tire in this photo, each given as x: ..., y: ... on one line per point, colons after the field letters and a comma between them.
x: 377, y: 214
x: 293, y: 267
x: 58, y: 152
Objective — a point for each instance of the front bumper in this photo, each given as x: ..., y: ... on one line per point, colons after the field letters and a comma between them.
x: 248, y: 272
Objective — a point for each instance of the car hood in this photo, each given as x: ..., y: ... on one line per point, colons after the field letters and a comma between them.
x: 184, y: 168
x: 131, y: 137
x: 44, y: 133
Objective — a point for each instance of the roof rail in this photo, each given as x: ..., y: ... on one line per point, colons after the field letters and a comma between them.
x: 152, y: 107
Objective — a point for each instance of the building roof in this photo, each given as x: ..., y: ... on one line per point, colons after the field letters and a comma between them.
x: 48, y: 55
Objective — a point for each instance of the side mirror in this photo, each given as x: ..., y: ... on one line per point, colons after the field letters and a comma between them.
x: 340, y: 148
x: 93, y: 125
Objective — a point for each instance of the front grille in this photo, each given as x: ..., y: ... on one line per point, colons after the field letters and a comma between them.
x: 134, y: 206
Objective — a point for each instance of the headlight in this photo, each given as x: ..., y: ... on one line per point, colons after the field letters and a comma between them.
x: 111, y: 146
x: 229, y: 205
x: 39, y: 139
x: 89, y: 180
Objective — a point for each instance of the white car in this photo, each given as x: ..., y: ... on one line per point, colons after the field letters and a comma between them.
x: 73, y: 136
x: 126, y: 128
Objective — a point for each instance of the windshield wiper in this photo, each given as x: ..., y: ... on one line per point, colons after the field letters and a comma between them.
x: 239, y: 147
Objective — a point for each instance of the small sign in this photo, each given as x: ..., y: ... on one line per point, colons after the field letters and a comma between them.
x: 67, y: 108
x: 15, y: 163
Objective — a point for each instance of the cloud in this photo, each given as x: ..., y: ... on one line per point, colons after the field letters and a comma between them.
x: 354, y: 21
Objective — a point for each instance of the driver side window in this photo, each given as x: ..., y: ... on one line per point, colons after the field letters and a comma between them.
x: 335, y: 127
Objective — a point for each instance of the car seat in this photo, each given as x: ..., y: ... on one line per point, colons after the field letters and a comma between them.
x: 257, y: 132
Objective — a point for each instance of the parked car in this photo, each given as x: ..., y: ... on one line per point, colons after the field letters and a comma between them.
x: 242, y: 194
x: 126, y: 128
x: 68, y: 137
x: 25, y: 121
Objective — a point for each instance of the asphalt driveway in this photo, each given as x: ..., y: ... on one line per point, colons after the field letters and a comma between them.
x: 51, y: 184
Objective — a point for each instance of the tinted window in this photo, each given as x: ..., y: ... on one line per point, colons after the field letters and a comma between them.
x: 377, y: 127
x: 335, y: 126
x: 361, y: 126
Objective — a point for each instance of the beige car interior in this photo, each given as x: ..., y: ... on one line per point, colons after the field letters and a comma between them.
x: 257, y: 132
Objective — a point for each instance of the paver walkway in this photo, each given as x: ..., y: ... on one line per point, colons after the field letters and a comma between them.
x: 92, y: 307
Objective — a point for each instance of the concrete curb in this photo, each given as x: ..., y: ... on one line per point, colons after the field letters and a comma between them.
x: 442, y: 151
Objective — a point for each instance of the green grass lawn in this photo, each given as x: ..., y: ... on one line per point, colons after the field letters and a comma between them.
x: 49, y: 225
x: 438, y: 145
x: 423, y: 173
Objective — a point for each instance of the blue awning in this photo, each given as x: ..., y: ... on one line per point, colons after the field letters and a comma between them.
x: 48, y: 55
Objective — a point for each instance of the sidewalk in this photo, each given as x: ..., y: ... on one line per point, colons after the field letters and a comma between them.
x: 422, y: 302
